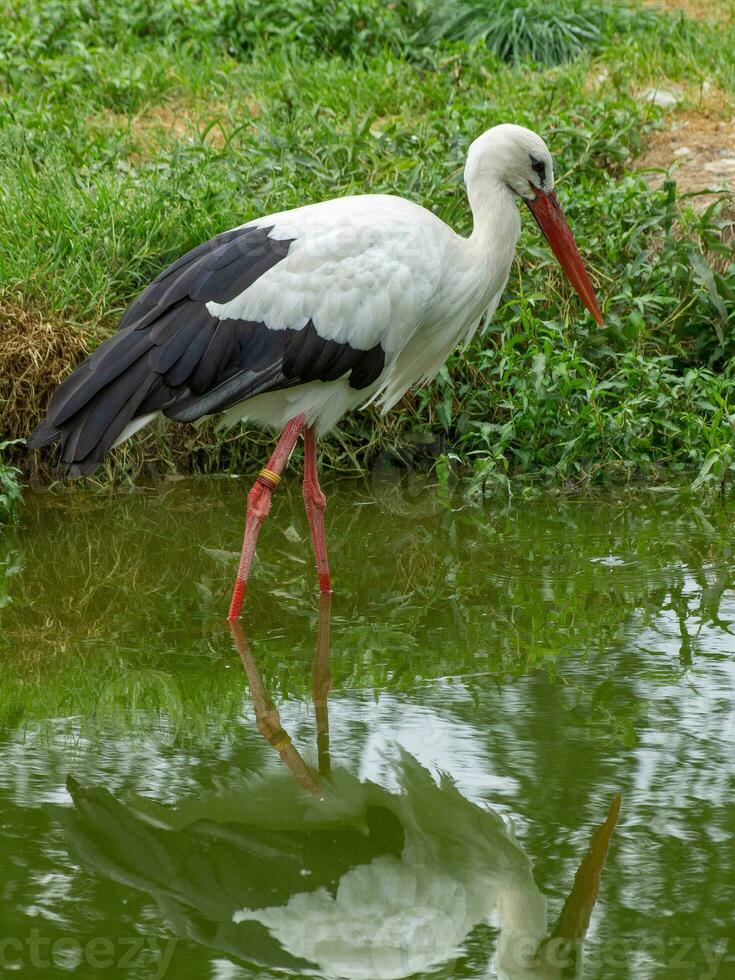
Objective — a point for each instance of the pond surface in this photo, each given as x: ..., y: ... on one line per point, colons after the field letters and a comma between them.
x: 505, y: 748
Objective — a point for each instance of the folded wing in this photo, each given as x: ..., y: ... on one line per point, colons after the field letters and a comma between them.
x: 172, y: 355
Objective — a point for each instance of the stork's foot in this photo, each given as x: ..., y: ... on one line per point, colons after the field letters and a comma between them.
x: 238, y: 597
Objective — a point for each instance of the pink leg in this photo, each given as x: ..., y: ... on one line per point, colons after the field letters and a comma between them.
x: 259, y: 505
x: 315, y: 503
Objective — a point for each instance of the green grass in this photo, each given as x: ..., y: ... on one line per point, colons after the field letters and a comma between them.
x: 280, y: 104
x: 547, y: 33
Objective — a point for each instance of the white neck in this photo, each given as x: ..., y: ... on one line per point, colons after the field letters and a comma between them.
x: 497, y: 223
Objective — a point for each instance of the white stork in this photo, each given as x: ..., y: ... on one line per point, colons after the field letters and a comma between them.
x: 295, y: 318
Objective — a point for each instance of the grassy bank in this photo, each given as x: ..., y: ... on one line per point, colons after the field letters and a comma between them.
x: 133, y: 131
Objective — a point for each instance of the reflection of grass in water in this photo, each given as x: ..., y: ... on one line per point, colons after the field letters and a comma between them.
x: 10, y: 494
x: 204, y: 704
x: 114, y: 611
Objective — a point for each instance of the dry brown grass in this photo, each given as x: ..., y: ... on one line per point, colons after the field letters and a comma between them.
x: 36, y: 353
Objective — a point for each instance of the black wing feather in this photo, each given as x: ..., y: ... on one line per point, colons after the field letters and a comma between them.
x: 92, y: 376
x: 110, y: 411
x: 177, y: 374
x: 171, y: 355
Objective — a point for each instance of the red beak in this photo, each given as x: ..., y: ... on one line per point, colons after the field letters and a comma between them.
x: 550, y: 218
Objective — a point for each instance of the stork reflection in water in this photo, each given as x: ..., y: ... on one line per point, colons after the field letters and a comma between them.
x: 326, y: 874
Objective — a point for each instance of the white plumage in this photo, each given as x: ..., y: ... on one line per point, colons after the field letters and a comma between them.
x: 367, y: 270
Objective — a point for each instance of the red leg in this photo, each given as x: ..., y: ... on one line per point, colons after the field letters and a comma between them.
x: 315, y: 503
x: 259, y: 505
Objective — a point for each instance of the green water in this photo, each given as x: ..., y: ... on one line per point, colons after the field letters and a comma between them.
x: 545, y: 655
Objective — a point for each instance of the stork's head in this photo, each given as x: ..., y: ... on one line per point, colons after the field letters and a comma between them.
x: 519, y: 161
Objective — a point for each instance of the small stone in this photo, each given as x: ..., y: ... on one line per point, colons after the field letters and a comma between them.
x: 682, y: 151
x: 661, y: 97
x: 724, y: 166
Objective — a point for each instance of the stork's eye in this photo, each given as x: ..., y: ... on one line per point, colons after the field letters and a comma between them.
x: 540, y: 168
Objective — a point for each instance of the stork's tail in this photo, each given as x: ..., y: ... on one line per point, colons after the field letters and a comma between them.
x: 97, y: 403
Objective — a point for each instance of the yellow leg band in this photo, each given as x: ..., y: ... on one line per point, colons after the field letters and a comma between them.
x: 270, y: 477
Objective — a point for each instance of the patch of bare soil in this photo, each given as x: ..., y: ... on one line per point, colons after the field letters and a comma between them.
x: 178, y: 122
x: 701, y: 9
x: 159, y: 127
x: 700, y: 149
